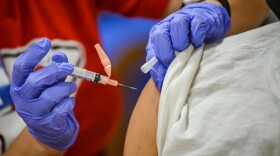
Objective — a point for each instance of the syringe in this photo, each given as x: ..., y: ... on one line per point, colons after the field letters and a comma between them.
x: 91, y: 76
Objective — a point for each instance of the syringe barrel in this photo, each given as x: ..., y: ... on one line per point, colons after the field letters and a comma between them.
x: 89, y: 75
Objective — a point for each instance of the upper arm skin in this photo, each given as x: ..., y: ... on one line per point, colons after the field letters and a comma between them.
x: 141, y: 134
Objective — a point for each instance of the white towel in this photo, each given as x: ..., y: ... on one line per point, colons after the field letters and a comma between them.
x: 225, y: 99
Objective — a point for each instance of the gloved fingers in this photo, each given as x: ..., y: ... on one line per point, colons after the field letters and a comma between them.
x: 26, y: 62
x: 59, y: 57
x: 179, y: 32
x: 59, y: 91
x: 62, y: 131
x: 54, y: 95
x: 150, y: 51
x: 158, y: 72
x: 210, y: 22
x: 71, y: 125
x: 220, y: 25
x: 215, y: 25
x: 56, y: 118
x: 62, y: 109
x: 199, y: 29
x: 161, y: 43
x: 71, y: 133
x: 41, y: 79
x: 72, y: 128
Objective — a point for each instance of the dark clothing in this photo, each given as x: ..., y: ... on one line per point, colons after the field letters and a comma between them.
x: 275, y: 7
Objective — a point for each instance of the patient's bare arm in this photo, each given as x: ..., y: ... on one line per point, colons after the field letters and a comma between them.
x: 141, y: 134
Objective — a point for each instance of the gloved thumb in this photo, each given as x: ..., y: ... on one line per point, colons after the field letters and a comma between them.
x: 64, y: 107
x: 59, y: 57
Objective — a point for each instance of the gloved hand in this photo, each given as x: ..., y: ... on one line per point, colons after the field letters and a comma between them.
x: 195, y: 23
x: 41, y: 97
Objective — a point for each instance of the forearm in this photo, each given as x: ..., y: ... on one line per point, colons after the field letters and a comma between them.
x: 26, y: 144
x: 141, y: 134
x: 245, y: 14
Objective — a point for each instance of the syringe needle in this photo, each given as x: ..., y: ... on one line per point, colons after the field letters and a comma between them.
x: 91, y: 76
x: 127, y: 86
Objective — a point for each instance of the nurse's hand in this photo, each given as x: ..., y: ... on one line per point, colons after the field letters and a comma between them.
x: 193, y: 24
x: 41, y: 97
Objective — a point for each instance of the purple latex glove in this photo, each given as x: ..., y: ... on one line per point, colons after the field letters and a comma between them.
x: 193, y: 24
x: 41, y: 97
